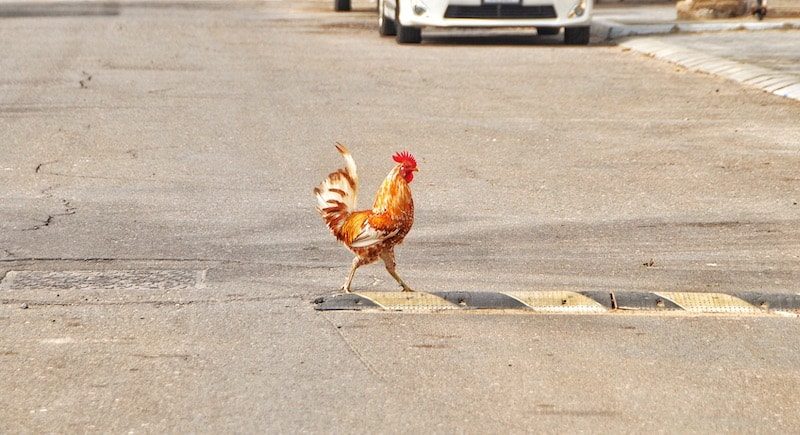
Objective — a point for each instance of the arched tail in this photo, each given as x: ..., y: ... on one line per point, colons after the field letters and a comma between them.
x: 337, y: 194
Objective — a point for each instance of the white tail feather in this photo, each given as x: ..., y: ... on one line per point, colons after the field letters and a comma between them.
x: 337, y: 194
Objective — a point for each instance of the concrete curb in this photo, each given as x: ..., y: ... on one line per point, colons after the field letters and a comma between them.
x: 608, y: 29
x: 768, y: 80
x: 569, y: 302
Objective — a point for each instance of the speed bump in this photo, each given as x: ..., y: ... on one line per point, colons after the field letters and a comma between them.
x: 567, y: 302
x: 559, y: 302
x: 397, y: 301
x: 710, y: 302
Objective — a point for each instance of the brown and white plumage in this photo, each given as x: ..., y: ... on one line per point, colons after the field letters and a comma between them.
x: 370, y: 234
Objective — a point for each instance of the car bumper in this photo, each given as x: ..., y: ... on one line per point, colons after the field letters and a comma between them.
x: 478, y: 13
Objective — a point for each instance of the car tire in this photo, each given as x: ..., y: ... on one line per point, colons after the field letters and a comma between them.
x: 542, y: 31
x: 405, y: 34
x: 386, y: 26
x: 341, y: 5
x: 576, y: 35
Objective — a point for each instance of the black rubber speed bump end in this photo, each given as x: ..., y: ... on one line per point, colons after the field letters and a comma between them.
x: 643, y: 301
x: 344, y: 301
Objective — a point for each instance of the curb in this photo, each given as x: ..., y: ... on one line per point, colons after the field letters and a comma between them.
x: 784, y: 85
x: 608, y: 29
x: 568, y: 302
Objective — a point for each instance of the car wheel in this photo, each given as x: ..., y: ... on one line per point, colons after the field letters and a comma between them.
x: 341, y: 5
x: 576, y: 35
x: 405, y: 34
x: 547, y: 30
x: 385, y: 26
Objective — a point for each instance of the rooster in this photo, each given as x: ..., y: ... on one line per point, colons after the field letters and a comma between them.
x: 370, y: 234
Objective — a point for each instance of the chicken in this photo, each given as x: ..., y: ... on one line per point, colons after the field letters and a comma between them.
x: 370, y: 234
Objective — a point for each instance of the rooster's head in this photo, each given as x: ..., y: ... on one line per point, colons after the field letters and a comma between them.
x: 407, y: 165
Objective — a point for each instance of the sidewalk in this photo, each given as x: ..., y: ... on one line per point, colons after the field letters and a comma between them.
x: 614, y: 22
x: 761, y: 54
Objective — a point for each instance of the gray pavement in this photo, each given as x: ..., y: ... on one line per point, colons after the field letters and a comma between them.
x: 160, y: 255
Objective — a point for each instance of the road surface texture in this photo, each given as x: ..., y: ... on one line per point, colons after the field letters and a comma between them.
x: 160, y: 254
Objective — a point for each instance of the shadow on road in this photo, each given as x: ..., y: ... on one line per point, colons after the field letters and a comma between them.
x: 58, y: 9
x: 489, y: 37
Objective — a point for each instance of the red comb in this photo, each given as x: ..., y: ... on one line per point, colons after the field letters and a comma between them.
x: 405, y: 157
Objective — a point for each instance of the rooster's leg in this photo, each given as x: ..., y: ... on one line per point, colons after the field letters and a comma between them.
x: 356, y: 262
x: 388, y: 259
x: 346, y: 286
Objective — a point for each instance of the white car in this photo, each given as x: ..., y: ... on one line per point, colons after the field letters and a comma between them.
x: 406, y: 18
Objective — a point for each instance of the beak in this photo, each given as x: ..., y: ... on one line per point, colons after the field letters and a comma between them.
x: 415, y: 170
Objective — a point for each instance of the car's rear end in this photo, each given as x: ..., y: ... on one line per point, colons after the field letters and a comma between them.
x: 546, y: 15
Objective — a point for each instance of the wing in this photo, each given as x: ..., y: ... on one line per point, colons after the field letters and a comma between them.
x: 362, y: 229
x: 370, y: 236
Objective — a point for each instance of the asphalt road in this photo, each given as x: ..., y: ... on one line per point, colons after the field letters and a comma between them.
x: 160, y: 252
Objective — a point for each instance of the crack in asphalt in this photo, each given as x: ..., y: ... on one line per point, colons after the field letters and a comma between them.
x: 154, y: 303
x: 392, y: 380
x: 67, y: 208
x: 116, y: 259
